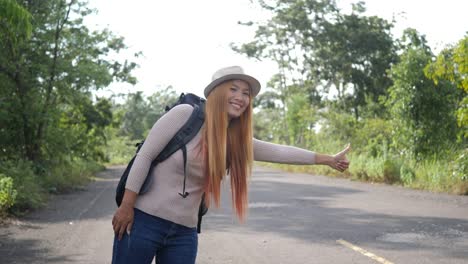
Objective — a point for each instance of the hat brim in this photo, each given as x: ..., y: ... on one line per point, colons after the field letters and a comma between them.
x: 253, y: 83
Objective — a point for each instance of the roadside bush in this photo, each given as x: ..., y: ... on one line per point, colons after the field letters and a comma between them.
x: 69, y: 175
x: 391, y: 171
x: 432, y: 174
x: 33, y: 183
x: 375, y: 169
x: 7, y: 194
x: 407, y: 174
x: 30, y: 193
x: 359, y: 167
x: 119, y: 150
x: 373, y: 136
x: 459, y: 168
x: 461, y: 188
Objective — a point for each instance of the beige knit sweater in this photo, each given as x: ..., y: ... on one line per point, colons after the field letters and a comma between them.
x: 163, y: 199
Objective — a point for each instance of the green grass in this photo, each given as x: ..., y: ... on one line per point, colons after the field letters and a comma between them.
x: 34, y: 184
x: 435, y: 175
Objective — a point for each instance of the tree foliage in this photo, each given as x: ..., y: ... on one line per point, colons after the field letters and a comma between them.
x: 354, y: 58
x: 319, y: 49
x: 15, y: 25
x: 301, y: 118
x: 451, y: 66
x: 47, y: 80
x: 138, y: 113
x: 422, y: 111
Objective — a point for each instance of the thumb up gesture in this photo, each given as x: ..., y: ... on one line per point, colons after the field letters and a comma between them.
x: 340, y: 162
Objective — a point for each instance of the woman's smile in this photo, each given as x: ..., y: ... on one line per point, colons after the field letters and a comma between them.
x: 238, y: 98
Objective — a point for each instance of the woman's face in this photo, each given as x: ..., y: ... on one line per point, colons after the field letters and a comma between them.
x: 238, y: 98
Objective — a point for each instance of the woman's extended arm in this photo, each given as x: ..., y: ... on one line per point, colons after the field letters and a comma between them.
x: 270, y: 152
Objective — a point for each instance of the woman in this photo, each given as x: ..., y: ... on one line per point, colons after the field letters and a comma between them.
x: 163, y: 224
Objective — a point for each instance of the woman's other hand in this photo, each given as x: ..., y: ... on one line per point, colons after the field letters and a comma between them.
x: 123, y: 217
x: 123, y: 220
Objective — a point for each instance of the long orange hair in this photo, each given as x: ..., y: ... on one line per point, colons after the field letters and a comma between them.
x: 227, y: 149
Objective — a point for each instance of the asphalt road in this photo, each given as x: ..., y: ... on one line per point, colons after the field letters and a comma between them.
x: 293, y: 218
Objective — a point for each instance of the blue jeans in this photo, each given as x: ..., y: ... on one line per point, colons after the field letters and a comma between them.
x: 152, y: 237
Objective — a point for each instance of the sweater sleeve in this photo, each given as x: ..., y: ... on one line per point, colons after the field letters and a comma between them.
x: 265, y: 151
x: 159, y: 136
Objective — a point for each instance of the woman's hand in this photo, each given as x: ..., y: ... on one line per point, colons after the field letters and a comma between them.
x: 339, y: 161
x: 123, y: 220
x: 123, y: 217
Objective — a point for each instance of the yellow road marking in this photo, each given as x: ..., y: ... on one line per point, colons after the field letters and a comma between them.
x: 364, y: 252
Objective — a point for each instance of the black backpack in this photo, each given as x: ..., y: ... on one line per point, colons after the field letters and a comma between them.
x: 180, y: 139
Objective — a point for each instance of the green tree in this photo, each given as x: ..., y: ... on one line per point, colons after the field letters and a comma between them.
x: 135, y: 110
x: 353, y: 56
x: 451, y: 66
x: 269, y: 116
x: 15, y: 26
x: 316, y: 48
x: 15, y: 29
x: 301, y: 117
x: 139, y: 113
x: 289, y: 38
x: 157, y: 103
x: 50, y: 75
x: 422, y: 111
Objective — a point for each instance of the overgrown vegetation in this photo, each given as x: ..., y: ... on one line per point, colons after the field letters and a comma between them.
x: 52, y: 130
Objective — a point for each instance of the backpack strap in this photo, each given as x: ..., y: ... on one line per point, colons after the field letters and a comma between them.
x: 184, y: 194
x: 188, y: 131
x: 202, y: 210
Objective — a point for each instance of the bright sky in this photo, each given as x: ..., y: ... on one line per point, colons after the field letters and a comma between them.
x: 185, y: 41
